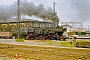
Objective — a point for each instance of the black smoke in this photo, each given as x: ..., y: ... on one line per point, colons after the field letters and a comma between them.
x: 6, y: 12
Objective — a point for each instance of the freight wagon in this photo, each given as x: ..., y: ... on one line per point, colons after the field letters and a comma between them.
x: 5, y: 34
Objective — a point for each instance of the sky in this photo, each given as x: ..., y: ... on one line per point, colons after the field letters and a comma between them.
x: 67, y: 10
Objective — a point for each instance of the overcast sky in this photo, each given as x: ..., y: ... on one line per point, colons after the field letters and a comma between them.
x: 67, y: 10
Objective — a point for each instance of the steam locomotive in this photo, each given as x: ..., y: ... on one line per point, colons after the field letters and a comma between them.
x: 38, y: 33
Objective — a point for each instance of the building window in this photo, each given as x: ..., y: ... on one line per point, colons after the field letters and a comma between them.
x: 22, y: 28
x: 4, y: 29
x: 12, y: 28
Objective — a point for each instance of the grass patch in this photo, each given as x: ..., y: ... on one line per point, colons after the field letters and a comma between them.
x: 5, y: 59
x: 27, y: 59
x: 83, y: 43
x: 49, y: 42
x: 20, y: 40
x: 83, y: 40
x: 68, y: 44
x: 61, y: 43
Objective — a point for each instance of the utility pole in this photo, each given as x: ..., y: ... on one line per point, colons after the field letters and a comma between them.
x: 18, y: 18
x: 88, y: 27
x: 55, y: 22
x: 66, y: 27
x: 73, y: 24
x: 54, y: 3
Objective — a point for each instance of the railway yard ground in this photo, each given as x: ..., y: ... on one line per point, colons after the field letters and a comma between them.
x: 40, y: 50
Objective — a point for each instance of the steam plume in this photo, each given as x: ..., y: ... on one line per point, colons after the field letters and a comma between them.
x: 29, y: 9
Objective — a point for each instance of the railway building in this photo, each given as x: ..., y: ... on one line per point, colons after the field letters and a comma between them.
x: 11, y: 25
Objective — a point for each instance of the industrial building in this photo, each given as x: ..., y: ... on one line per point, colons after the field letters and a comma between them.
x: 12, y: 25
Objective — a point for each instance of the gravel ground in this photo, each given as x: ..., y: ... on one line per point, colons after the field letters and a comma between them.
x: 27, y: 50
x: 8, y: 58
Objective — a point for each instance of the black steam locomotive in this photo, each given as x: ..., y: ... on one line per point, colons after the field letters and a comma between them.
x: 38, y: 33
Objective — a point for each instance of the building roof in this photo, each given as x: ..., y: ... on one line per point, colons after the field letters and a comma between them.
x: 21, y: 20
x: 65, y: 25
